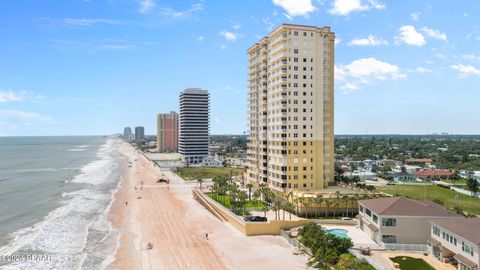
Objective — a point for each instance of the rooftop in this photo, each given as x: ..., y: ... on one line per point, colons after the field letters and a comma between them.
x: 433, y: 173
x: 419, y: 160
x: 401, y: 206
x: 466, y: 228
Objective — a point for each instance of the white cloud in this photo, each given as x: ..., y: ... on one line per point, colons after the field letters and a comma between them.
x: 89, y: 22
x: 229, y: 36
x: 345, y: 7
x: 409, y: 35
x: 295, y: 7
x: 471, y: 57
x: 422, y: 70
x: 365, y: 71
x: 466, y: 15
x: 268, y: 24
x: 176, y: 14
x: 146, y: 5
x: 415, y: 15
x: 200, y: 38
x: 222, y: 46
x: 338, y: 41
x: 11, y: 96
x: 466, y: 70
x: 25, y: 116
x: 368, y: 41
x: 434, y: 33
x: 236, y: 26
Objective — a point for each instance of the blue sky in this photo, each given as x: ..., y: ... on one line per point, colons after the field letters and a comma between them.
x: 93, y: 67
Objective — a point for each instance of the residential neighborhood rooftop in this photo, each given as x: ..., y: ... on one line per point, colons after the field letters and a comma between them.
x: 467, y: 228
x: 402, y: 206
x: 433, y: 173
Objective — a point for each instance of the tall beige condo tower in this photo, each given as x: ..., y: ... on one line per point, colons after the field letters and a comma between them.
x: 290, y: 145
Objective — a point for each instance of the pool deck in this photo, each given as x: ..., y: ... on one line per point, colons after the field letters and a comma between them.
x: 359, y: 238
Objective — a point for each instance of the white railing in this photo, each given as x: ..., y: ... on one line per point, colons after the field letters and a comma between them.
x: 370, y: 260
x: 406, y: 247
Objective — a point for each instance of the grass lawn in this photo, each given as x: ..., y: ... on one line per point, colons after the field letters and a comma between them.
x: 225, y: 201
x: 192, y: 173
x: 467, y: 203
x: 408, y: 263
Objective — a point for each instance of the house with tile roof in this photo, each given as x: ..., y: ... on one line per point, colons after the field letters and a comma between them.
x: 395, y: 221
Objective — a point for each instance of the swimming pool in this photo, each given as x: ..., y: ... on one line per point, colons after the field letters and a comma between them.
x: 339, y: 233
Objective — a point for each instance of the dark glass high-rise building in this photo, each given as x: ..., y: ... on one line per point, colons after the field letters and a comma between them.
x: 194, y: 125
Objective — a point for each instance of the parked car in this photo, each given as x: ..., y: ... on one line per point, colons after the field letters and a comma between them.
x: 258, y: 218
x: 254, y: 218
x: 248, y: 218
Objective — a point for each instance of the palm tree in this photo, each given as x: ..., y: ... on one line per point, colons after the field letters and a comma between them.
x: 335, y: 203
x: 276, y: 207
x: 290, y: 196
x: 347, y: 199
x: 327, y: 206
x: 318, y: 202
x: 242, y: 195
x: 305, y: 204
x: 249, y: 186
x: 296, y: 201
x: 289, y: 206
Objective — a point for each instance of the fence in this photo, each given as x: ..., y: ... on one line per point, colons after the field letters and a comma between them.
x: 406, y: 247
x: 371, y: 261
x: 293, y: 242
x: 465, y: 192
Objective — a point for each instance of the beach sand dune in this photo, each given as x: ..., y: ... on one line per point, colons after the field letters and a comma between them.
x: 170, y: 219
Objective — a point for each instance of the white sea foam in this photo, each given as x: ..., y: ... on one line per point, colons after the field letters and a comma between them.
x: 64, y: 233
x: 96, y: 172
x: 77, y: 149
x: 33, y: 170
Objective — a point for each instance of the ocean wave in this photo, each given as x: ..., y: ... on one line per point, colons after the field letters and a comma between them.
x: 79, y: 228
x: 96, y: 172
x: 34, y: 170
x: 77, y: 149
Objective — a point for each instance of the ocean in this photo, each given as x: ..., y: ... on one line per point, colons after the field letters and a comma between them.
x: 55, y: 194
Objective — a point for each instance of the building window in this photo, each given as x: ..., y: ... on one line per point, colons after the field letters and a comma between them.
x: 467, y: 248
x: 389, y: 222
x: 295, y: 50
x: 375, y: 218
x: 436, y: 231
x: 361, y: 209
x: 368, y: 212
x: 295, y: 33
x: 389, y: 239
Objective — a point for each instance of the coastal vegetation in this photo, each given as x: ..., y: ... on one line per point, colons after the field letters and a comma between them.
x: 329, y: 251
x: 193, y: 173
x: 448, y: 198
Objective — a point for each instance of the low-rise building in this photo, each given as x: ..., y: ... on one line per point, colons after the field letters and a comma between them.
x: 398, y: 220
x: 402, y: 177
x: 433, y: 174
x: 418, y: 161
x: 212, y: 162
x: 456, y: 241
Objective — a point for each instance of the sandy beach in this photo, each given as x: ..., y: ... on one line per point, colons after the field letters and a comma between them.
x: 170, y: 219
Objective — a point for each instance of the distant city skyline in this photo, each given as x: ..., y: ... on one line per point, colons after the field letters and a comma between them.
x: 94, y: 67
